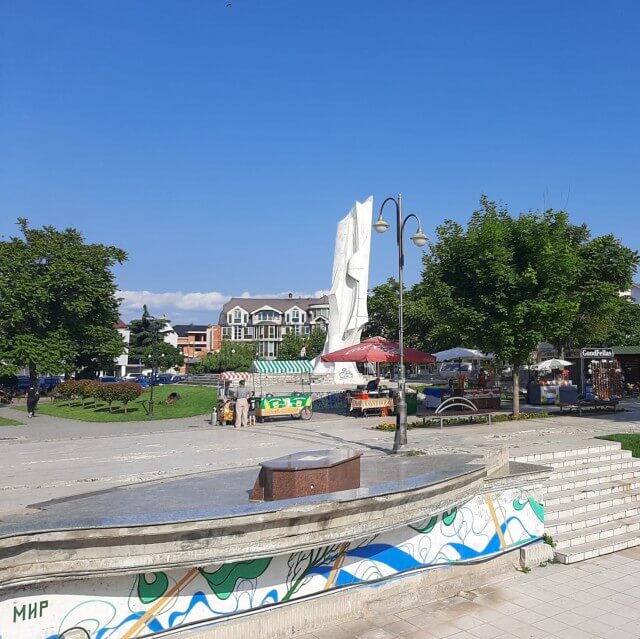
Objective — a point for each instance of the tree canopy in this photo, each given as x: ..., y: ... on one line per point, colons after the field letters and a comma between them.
x: 291, y: 346
x: 315, y: 343
x: 233, y: 356
x: 58, y: 306
x: 147, y: 345
x: 504, y: 284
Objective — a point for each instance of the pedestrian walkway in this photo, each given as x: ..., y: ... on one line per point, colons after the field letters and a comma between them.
x: 598, y: 598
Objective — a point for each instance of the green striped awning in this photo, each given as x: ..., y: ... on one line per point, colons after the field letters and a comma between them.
x: 281, y: 366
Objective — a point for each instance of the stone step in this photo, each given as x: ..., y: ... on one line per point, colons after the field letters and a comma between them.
x: 609, y: 529
x: 594, y: 468
x: 566, y: 526
x: 579, y: 460
x: 571, y: 495
x: 597, y: 548
x: 553, y: 513
x: 591, y: 447
x: 590, y: 479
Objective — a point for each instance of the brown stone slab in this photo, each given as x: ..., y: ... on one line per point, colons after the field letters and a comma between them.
x: 307, y: 473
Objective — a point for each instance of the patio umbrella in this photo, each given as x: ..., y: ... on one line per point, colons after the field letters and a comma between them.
x: 378, y: 349
x: 460, y: 353
x: 551, y: 364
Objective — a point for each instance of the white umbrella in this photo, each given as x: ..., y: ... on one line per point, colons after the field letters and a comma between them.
x: 460, y: 353
x: 551, y: 364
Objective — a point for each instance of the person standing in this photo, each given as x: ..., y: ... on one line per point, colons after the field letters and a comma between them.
x: 242, y: 404
x: 32, y: 401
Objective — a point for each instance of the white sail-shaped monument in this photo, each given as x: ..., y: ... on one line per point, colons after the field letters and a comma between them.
x: 348, y: 296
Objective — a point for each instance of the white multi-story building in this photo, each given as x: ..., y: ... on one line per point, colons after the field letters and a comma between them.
x: 266, y: 320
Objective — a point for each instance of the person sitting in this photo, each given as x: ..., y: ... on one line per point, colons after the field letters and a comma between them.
x: 373, y: 384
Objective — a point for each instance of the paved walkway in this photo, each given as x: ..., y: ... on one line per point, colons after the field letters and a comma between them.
x: 598, y: 598
x: 49, y: 458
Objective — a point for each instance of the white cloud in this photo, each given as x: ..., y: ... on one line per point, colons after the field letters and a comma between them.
x: 164, y: 302
x: 182, y: 307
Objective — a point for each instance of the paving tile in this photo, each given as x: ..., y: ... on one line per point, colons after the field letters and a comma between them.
x: 334, y: 632
x: 359, y: 625
x: 551, y: 625
x: 595, y: 627
x: 571, y: 618
x: 418, y: 634
x: 577, y: 633
x: 485, y: 631
x: 409, y: 612
x: 376, y: 633
x: 614, y: 619
x: 443, y: 630
x: 400, y: 627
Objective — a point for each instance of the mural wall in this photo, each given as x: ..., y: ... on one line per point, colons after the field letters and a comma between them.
x: 124, y: 607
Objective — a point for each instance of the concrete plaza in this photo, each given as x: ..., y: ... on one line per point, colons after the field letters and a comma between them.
x: 55, y: 459
x: 597, y: 598
x: 51, y: 458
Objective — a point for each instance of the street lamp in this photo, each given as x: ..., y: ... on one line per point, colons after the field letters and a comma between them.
x: 419, y: 239
x: 154, y: 328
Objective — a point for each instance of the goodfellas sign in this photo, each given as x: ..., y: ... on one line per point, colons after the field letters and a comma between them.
x: 597, y: 353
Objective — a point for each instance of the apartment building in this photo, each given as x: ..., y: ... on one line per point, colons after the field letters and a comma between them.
x: 266, y: 320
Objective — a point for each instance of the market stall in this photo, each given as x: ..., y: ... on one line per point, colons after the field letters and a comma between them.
x: 379, y: 401
x: 297, y: 404
x: 293, y: 405
x: 552, y: 384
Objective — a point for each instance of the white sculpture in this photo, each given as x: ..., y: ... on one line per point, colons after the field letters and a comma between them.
x: 348, y: 296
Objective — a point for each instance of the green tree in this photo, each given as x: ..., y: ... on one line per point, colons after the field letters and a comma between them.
x: 233, y: 356
x: 382, y: 305
x: 147, y: 345
x: 291, y: 346
x: 315, y: 343
x: 504, y: 284
x: 58, y: 305
x: 604, y: 317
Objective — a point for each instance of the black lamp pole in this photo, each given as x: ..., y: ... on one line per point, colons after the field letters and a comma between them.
x: 419, y: 239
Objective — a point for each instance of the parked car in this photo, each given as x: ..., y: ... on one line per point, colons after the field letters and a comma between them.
x: 167, y: 378
x: 107, y: 379
x: 49, y: 382
x: 451, y: 370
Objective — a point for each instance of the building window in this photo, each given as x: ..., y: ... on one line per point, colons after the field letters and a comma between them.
x: 237, y: 333
x: 295, y: 316
x: 237, y: 316
x: 248, y: 333
x: 226, y: 332
x: 267, y: 316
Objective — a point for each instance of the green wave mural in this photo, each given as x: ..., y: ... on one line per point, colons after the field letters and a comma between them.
x: 223, y: 581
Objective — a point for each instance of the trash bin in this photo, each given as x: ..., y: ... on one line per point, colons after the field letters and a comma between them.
x: 412, y: 402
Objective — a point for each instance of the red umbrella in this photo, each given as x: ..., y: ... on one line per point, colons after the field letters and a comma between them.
x: 378, y: 349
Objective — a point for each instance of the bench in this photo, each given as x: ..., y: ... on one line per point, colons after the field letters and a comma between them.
x: 596, y: 404
x: 469, y: 409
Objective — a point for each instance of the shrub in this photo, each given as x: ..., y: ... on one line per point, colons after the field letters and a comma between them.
x: 107, y: 393
x: 86, y: 388
x: 67, y: 390
x: 126, y: 392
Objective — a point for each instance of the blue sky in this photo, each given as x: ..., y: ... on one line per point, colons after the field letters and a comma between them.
x: 220, y: 145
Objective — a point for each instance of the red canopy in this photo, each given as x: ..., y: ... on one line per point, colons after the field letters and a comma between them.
x: 378, y: 349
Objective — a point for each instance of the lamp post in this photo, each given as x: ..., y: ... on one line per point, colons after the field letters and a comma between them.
x: 419, y: 239
x: 154, y: 328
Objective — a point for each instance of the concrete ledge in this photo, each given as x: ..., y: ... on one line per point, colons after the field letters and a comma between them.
x: 389, y: 596
x: 56, y: 555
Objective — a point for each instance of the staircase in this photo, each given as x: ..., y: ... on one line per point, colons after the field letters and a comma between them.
x: 592, y: 500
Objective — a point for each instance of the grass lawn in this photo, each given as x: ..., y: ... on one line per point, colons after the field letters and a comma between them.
x: 194, y: 400
x: 9, y: 422
x: 629, y: 442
